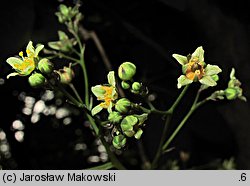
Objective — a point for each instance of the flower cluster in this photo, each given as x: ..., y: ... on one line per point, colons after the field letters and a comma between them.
x: 233, y: 91
x: 127, y: 122
x: 31, y: 65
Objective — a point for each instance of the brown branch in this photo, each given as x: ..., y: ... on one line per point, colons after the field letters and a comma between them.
x: 86, y: 35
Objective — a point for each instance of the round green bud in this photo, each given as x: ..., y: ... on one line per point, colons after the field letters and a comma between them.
x: 126, y: 71
x: 125, y: 85
x: 215, y: 77
x: 119, y: 141
x: 64, y: 9
x: 66, y: 75
x: 36, y: 80
x: 115, y: 117
x: 45, y: 66
x: 136, y: 86
x: 123, y: 105
x: 231, y: 93
x: 135, y: 91
x: 127, y: 125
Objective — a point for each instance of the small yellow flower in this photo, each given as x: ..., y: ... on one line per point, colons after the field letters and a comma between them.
x: 25, y: 65
x: 195, y: 69
x: 105, y: 93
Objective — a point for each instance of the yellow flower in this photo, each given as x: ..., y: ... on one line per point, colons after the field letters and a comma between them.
x: 105, y: 93
x: 25, y: 65
x: 195, y: 69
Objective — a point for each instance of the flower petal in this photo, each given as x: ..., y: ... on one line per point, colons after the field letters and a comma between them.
x: 12, y: 74
x: 181, y: 59
x: 183, y: 80
x: 96, y: 109
x: 12, y: 61
x: 62, y: 35
x: 212, y: 70
x: 98, y: 91
x: 111, y: 78
x: 38, y: 49
x: 208, y: 80
x: 110, y: 107
x: 30, y: 48
x: 232, y: 74
x: 199, y: 52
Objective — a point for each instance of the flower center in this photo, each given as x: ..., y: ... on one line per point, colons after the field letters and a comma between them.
x: 107, y: 97
x: 195, y: 69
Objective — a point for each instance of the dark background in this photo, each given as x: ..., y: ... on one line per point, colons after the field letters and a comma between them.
x: 146, y: 33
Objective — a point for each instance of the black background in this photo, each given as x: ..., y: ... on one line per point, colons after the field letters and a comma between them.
x: 146, y: 33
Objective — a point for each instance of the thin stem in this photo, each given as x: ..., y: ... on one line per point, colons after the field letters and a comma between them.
x: 86, y: 82
x: 159, y: 151
x: 105, y: 166
x: 82, y: 63
x: 80, y: 105
x: 193, y: 108
x: 71, y: 85
x: 172, y: 108
x: 67, y: 57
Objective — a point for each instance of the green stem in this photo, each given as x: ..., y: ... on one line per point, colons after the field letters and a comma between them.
x: 86, y: 82
x: 80, y: 105
x: 67, y: 57
x: 193, y: 108
x: 159, y: 151
x: 84, y: 69
x: 172, y: 108
x: 71, y: 85
x: 105, y: 166
x: 116, y: 163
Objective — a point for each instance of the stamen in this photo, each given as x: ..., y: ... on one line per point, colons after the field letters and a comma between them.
x: 21, y: 53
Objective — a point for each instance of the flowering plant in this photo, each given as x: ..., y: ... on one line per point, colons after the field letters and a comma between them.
x: 116, y: 119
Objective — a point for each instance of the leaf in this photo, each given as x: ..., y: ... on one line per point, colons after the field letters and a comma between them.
x: 212, y: 70
x: 111, y: 78
x: 183, y: 80
x: 199, y: 52
x: 96, y: 110
x: 181, y: 59
x: 208, y: 80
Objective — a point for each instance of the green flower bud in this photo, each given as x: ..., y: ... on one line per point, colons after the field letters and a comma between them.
x: 123, y: 105
x: 127, y: 125
x: 36, y: 80
x: 64, y: 10
x: 66, y: 75
x: 45, y: 66
x: 138, y: 134
x: 231, y: 93
x: 136, y: 86
x: 135, y: 91
x: 215, y: 77
x: 125, y: 85
x: 115, y: 117
x: 126, y: 71
x: 119, y: 141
